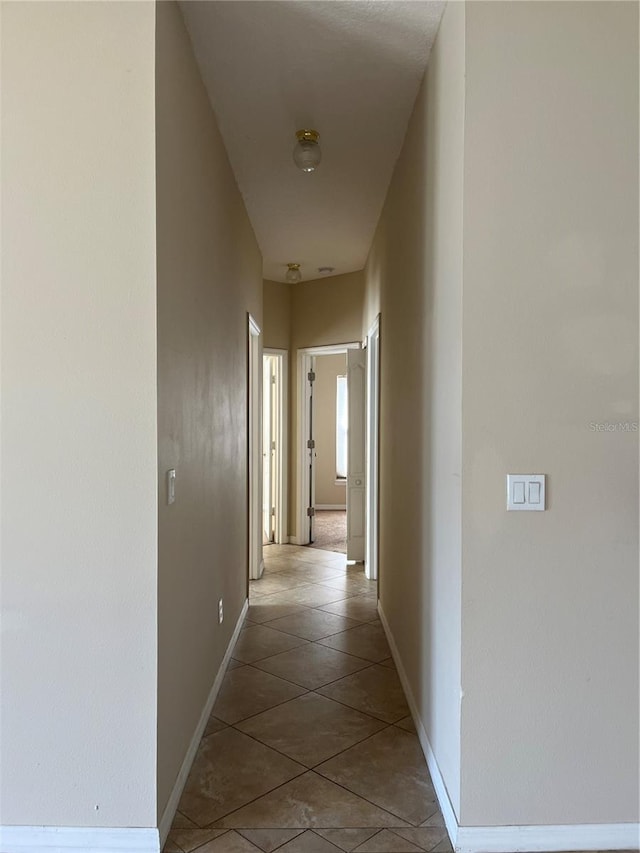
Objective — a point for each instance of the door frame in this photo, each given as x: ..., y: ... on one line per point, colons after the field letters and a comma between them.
x: 254, y: 450
x: 303, y: 366
x: 372, y: 542
x: 282, y: 476
x: 357, y: 457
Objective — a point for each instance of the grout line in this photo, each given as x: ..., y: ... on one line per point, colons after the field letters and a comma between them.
x: 277, y: 705
x: 273, y: 849
x: 200, y: 846
x: 275, y: 749
x: 371, y: 803
x: 284, y: 651
x: 368, y: 663
x: 423, y: 849
x: 212, y: 825
x: 324, y: 684
x: 296, y: 760
x: 352, y: 708
x: 317, y: 639
x: 310, y: 606
x: 386, y: 725
x: 297, y: 776
x: 286, y: 680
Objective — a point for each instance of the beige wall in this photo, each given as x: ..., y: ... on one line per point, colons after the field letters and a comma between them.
x: 276, y: 316
x: 79, y: 517
x: 414, y: 278
x: 323, y: 312
x: 209, y: 277
x: 547, y: 319
x: 550, y: 601
x: 327, y: 311
x: 327, y: 369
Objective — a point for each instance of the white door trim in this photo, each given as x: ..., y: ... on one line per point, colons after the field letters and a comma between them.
x: 305, y: 361
x: 373, y: 450
x: 357, y: 456
x: 332, y: 349
x: 282, y: 504
x: 303, y: 365
x: 254, y: 455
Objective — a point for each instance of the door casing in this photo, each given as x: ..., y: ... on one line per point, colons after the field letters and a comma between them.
x: 281, y: 438
x: 254, y: 454
x: 304, y: 477
x: 357, y: 456
x: 373, y: 450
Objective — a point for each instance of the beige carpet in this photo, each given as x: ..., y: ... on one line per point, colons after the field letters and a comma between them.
x: 330, y: 530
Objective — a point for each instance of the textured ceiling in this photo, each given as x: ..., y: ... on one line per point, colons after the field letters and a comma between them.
x: 351, y: 70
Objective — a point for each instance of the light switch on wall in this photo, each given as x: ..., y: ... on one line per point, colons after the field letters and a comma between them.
x: 526, y: 492
x: 171, y: 486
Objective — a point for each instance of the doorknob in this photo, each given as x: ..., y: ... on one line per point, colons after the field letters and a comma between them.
x: 358, y: 482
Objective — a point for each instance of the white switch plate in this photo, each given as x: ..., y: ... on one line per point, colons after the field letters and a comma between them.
x: 525, y: 492
x: 171, y: 486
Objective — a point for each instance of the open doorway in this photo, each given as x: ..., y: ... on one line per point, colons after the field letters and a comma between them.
x: 274, y: 444
x: 330, y: 418
x: 330, y: 422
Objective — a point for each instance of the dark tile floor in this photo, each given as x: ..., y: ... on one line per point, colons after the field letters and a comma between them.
x: 310, y: 747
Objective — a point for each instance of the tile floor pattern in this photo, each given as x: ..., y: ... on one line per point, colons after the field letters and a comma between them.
x: 310, y: 747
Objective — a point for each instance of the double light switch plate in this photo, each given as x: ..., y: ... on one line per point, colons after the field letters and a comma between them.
x: 526, y: 492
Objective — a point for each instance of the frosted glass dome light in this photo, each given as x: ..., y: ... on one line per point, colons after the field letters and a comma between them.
x: 293, y: 275
x: 307, y: 154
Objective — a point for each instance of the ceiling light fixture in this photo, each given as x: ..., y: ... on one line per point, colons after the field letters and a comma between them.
x: 293, y: 273
x: 307, y: 154
x: 326, y: 270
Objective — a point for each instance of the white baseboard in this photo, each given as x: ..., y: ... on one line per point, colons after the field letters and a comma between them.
x: 331, y: 506
x: 62, y: 839
x: 512, y: 839
x: 509, y: 839
x: 174, y: 799
x: 442, y: 794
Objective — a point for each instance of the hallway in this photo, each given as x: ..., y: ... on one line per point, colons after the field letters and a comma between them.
x: 310, y: 747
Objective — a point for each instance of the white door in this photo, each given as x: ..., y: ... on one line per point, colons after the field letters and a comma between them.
x: 311, y: 449
x: 268, y: 447
x: 356, y: 455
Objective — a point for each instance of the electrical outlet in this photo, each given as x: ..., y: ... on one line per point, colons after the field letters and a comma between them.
x: 220, y: 612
